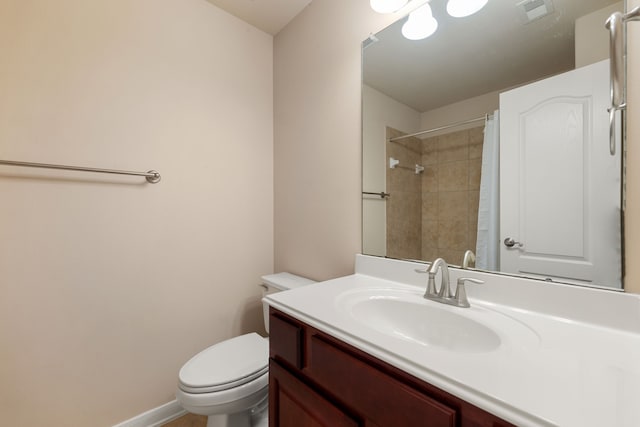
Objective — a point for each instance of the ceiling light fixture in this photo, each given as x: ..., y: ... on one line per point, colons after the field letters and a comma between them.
x: 421, y: 24
x: 387, y: 6
x: 462, y: 8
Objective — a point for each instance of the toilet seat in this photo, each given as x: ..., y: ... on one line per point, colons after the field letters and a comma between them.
x: 226, y: 365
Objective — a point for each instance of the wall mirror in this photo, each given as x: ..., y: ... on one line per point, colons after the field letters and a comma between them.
x: 492, y: 135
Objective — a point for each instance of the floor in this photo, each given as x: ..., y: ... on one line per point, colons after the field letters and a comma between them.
x: 189, y: 420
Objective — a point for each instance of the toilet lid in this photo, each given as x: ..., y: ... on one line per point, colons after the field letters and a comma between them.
x: 227, y: 364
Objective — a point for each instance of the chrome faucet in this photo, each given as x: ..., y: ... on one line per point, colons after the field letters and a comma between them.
x: 443, y: 294
x: 444, y: 290
x: 469, y: 257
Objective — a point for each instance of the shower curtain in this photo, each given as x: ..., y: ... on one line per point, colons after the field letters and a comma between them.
x: 488, y: 241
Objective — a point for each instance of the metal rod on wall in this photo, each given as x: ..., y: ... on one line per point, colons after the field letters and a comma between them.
x: 453, y: 125
x: 151, y: 176
x: 381, y: 194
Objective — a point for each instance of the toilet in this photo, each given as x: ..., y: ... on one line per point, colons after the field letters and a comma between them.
x: 229, y: 381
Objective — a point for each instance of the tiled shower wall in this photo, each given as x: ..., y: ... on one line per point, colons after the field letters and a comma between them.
x: 404, y: 218
x: 434, y: 214
x: 450, y: 194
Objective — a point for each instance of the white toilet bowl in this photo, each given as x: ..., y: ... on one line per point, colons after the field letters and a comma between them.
x: 229, y: 381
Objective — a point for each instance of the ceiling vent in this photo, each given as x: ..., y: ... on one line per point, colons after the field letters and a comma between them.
x: 531, y: 10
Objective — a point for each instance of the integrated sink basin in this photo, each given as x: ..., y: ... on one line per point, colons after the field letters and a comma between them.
x: 425, y: 324
x: 407, y: 316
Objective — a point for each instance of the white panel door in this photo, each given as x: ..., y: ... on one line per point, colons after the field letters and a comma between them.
x: 559, y: 185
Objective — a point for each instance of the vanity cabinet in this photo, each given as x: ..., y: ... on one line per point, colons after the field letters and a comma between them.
x: 318, y: 380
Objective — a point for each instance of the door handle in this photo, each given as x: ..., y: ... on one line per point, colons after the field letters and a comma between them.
x: 509, y: 242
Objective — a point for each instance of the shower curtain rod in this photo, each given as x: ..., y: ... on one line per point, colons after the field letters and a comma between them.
x: 453, y: 125
x: 151, y: 176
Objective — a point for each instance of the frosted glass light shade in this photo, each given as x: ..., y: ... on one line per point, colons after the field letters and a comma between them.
x: 421, y: 24
x: 387, y: 6
x: 462, y: 8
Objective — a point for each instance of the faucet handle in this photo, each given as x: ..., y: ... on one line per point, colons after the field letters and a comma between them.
x: 461, y: 293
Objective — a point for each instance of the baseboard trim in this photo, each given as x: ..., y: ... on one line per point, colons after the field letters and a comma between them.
x: 156, y: 417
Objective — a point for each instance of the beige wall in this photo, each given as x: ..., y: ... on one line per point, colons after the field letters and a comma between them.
x: 108, y: 285
x: 317, y: 158
x: 592, y: 38
x: 468, y: 109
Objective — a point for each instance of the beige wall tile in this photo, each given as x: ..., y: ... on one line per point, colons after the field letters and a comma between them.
x: 430, y: 179
x: 452, y: 234
x: 405, y: 242
x: 453, y: 147
x: 430, y: 234
x: 430, y: 151
x: 474, y: 200
x: 435, y: 214
x: 404, y: 207
x: 476, y: 138
x: 475, y: 168
x: 453, y: 206
x: 403, y: 180
x: 453, y: 176
x: 429, y: 240
x: 429, y: 253
x: 454, y: 181
x: 430, y: 206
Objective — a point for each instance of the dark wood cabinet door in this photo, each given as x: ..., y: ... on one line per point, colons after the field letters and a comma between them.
x: 293, y: 404
x: 378, y: 397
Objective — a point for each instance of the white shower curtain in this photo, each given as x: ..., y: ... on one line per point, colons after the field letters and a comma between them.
x: 488, y: 242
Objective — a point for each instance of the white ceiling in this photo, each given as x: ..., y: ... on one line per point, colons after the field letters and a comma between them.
x: 466, y: 57
x: 269, y: 15
x: 491, y: 50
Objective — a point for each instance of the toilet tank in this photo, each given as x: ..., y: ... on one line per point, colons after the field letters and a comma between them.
x: 279, y: 282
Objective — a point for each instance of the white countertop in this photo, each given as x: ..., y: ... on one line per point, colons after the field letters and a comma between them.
x: 575, y: 361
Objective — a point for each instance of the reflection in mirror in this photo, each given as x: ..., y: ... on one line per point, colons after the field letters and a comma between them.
x: 491, y: 135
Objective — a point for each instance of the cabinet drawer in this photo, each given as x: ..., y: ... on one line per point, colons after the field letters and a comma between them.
x: 285, y: 340
x: 383, y: 399
x: 294, y: 404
